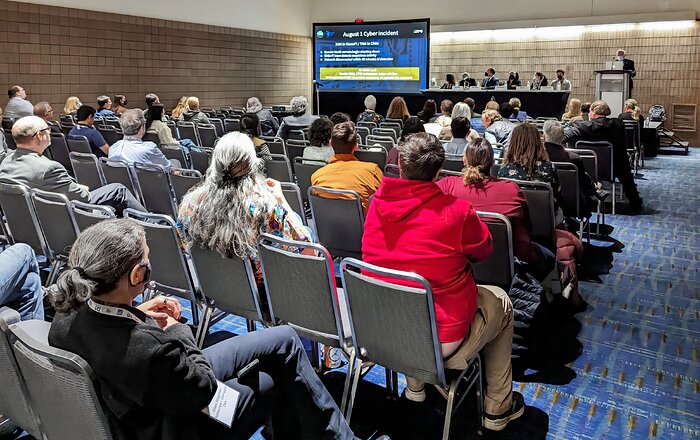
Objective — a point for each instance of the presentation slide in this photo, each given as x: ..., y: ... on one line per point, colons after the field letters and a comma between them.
x: 372, y: 57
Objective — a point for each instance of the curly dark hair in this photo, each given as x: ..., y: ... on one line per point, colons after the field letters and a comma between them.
x: 320, y: 132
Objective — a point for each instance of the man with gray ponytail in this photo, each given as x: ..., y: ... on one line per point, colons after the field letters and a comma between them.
x: 154, y: 381
x: 20, y: 283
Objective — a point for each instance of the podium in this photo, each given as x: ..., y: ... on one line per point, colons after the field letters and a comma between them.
x: 613, y: 87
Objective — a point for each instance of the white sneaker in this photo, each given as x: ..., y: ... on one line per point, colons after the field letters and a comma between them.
x: 415, y: 396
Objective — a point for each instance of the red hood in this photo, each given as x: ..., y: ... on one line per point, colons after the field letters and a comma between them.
x: 396, y: 198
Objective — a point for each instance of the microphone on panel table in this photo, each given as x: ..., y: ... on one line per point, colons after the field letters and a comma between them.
x: 318, y: 83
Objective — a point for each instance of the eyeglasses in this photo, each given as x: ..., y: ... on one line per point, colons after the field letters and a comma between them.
x: 42, y: 130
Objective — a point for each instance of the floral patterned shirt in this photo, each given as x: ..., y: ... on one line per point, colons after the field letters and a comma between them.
x: 544, y: 172
x: 370, y: 116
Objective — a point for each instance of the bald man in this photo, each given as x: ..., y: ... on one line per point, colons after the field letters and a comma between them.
x: 44, y: 111
x: 28, y: 166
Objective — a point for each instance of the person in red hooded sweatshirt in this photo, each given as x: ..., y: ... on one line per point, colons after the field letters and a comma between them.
x: 411, y: 225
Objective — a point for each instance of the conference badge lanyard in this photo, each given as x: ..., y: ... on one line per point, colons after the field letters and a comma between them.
x: 117, y: 312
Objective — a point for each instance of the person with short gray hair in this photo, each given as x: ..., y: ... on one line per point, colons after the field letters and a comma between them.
x: 133, y: 148
x: 370, y: 114
x: 298, y: 120
x: 268, y: 123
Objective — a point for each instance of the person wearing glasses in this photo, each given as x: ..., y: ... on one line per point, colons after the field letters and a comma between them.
x: 44, y: 111
x: 28, y: 166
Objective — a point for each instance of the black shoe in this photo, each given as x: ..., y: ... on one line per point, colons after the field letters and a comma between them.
x: 499, y: 422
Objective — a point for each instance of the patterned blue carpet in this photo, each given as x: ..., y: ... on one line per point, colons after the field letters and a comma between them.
x: 638, y: 376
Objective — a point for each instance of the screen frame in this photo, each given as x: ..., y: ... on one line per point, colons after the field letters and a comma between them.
x: 381, y: 22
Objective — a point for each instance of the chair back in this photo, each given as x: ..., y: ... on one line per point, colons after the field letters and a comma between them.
x: 78, y: 144
x: 571, y: 195
x: 277, y: 167
x: 7, y: 123
x: 303, y: 170
x: 59, y: 150
x: 182, y: 181
x: 386, y: 132
x: 392, y: 170
x: 229, y: 282
x: 292, y: 194
x: 232, y: 124
x: 173, y: 129
x: 540, y: 202
x: 393, y: 325
x: 295, y: 148
x: 188, y: 130
x: 14, y: 399
x: 201, y: 159
x: 66, y: 127
x: 218, y: 126
x: 56, y: 221
x: 60, y: 385
x: 453, y: 162
x: 604, y: 155
x: 276, y: 146
x: 297, y: 135
x: 154, y: 183
x: 151, y: 136
x: 369, y: 125
x: 174, y: 151
x: 86, y: 170
x: 362, y: 132
x: 112, y: 134
x: 372, y: 154
x: 336, y: 210
x: 385, y: 141
x: 397, y: 127
x: 498, y: 269
x: 20, y: 217
x: 590, y: 161
x: 86, y: 215
x: 9, y: 139
x: 207, y: 135
x: 117, y: 171
x: 632, y: 135
x: 301, y: 288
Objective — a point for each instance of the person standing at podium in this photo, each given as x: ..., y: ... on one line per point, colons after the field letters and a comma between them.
x: 627, y: 65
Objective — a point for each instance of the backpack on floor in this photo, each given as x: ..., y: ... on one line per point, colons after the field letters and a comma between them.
x: 657, y: 113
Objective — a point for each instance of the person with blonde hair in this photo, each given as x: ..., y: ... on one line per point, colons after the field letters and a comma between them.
x: 496, y: 129
x: 492, y: 105
x: 192, y: 112
x: 631, y: 111
x: 574, y: 112
x: 518, y: 114
x: 72, y: 105
x: 179, y: 108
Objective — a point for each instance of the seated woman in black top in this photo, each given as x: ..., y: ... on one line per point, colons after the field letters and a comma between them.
x: 153, y: 380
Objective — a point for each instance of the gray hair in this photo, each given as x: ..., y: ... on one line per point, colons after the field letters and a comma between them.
x: 99, y: 258
x: 42, y: 109
x: 370, y: 102
x: 553, y: 132
x: 25, y: 128
x: 131, y: 121
x: 235, y: 200
x: 253, y: 105
x: 299, y: 105
x: 461, y: 110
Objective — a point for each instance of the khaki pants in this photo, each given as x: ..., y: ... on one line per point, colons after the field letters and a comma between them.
x: 492, y: 331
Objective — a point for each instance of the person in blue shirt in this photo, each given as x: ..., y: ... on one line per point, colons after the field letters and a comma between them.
x: 85, y: 127
x: 133, y: 148
x: 104, y: 104
x: 20, y: 283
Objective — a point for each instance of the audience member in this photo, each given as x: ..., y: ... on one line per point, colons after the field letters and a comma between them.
x: 179, y: 108
x: 3, y: 142
x: 470, y: 102
x: 412, y: 125
x: 345, y: 171
x: 467, y: 80
x: 72, y: 105
x: 250, y: 125
x: 119, y: 105
x: 460, y: 128
x: 538, y: 81
x: 320, y: 140
x: 235, y: 203
x: 104, y: 107
x: 501, y: 196
x: 86, y: 127
x: 154, y: 380
x: 413, y: 226
x: 490, y: 81
x: 573, y: 112
x: 602, y: 128
x: 44, y: 111
x: 445, y: 118
x: 398, y: 109
x: 133, y: 148
x: 496, y: 129
x: 516, y: 112
x: 18, y: 105
x: 561, y: 83
x: 20, y: 282
x: 428, y: 112
x: 460, y: 110
x: 449, y: 82
x: 151, y: 98
x: 513, y: 80
x: 585, y: 110
x: 268, y: 123
x: 370, y: 114
x: 298, y: 120
x: 154, y: 121
x: 192, y: 112
x: 338, y: 117
x: 492, y: 105
x: 632, y: 112
x: 28, y: 166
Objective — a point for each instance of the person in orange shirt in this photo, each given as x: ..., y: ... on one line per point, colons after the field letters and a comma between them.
x: 344, y: 170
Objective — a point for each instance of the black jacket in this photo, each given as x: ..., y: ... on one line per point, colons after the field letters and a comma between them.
x: 602, y: 129
x: 557, y: 153
x: 152, y: 383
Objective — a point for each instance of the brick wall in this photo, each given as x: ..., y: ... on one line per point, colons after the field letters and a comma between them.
x: 56, y: 52
x: 667, y: 61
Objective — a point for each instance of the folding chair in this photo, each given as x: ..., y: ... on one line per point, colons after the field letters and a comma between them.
x: 21, y: 224
x: 391, y: 170
x: 182, y: 181
x: 110, y: 134
x: 66, y: 127
x: 634, y: 142
x: 298, y: 134
x: 604, y: 163
x: 58, y: 227
x: 174, y: 151
x: 385, y: 132
x: 295, y: 148
x: 540, y: 201
x: 336, y: 210
x: 9, y: 139
x: 276, y: 146
x: 277, y: 167
x: 303, y: 170
x: 396, y: 126
x: 188, y: 130
x: 292, y: 194
x: 362, y: 132
x: 218, y: 126
x: 227, y: 284
x: 207, y: 135
x: 155, y: 188
x: 498, y: 269
x: 395, y: 326
x: 117, y: 171
x: 453, y: 162
x: 385, y: 141
x: 369, y: 125
x: 14, y: 399
x: 60, y: 384
x: 86, y: 170
x: 232, y: 124
x: 173, y: 129
x: 86, y: 215
x: 394, y: 121
x: 201, y: 159
x: 570, y: 203
x: 590, y: 164
x: 151, y: 136
x: 372, y: 154
x: 78, y: 144
x: 59, y: 150
x: 7, y: 123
